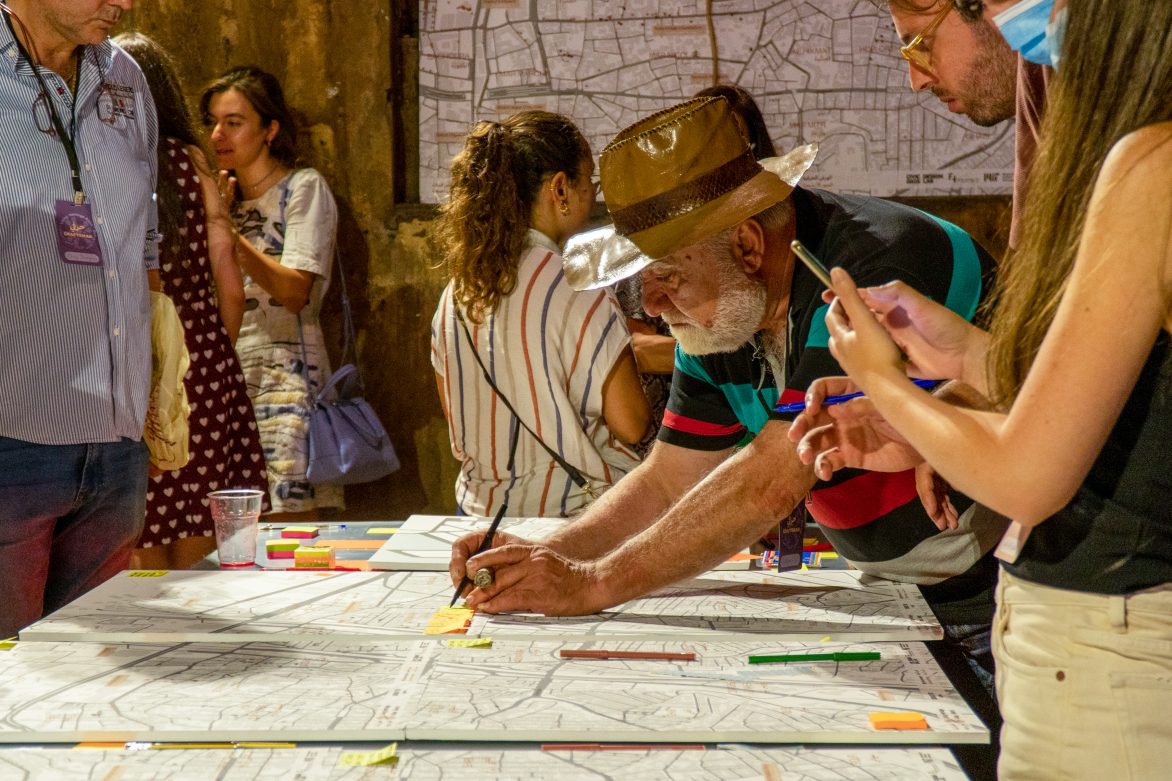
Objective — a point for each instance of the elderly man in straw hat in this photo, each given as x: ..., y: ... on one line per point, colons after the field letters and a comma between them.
x: 714, y: 229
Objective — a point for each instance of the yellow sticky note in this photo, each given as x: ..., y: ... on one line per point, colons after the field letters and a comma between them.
x: 384, y: 756
x: 449, y: 621
x: 8, y: 645
x: 897, y: 720
x: 382, y: 530
x: 147, y: 573
x: 471, y: 642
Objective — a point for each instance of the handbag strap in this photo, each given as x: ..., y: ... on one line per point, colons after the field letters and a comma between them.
x: 347, y: 322
x: 574, y: 474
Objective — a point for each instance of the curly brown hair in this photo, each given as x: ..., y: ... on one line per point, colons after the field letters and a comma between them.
x: 495, y: 181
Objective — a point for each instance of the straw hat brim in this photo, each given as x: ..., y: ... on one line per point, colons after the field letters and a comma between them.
x: 601, y: 257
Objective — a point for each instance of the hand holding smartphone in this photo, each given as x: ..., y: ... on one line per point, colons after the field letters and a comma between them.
x: 811, y: 262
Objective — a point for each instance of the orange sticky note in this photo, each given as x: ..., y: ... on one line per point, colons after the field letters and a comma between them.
x: 897, y: 720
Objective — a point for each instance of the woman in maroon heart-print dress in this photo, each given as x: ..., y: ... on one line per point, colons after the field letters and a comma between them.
x: 201, y: 277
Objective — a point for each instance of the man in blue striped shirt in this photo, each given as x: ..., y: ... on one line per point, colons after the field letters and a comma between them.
x: 78, y: 133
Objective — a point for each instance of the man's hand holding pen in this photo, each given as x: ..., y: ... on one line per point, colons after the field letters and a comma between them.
x: 527, y: 577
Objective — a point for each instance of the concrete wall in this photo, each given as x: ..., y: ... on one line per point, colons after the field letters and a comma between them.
x: 347, y: 67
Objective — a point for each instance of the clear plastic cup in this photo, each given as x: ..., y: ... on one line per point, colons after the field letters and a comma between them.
x: 236, y: 513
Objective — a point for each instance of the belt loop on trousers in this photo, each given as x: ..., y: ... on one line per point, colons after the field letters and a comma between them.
x: 1117, y: 613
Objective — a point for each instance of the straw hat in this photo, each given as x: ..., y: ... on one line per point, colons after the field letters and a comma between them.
x: 673, y: 179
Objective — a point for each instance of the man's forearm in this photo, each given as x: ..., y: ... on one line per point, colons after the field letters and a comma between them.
x: 628, y: 508
x: 733, y: 507
x: 635, y: 502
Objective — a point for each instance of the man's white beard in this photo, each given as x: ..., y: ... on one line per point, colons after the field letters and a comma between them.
x: 740, y: 307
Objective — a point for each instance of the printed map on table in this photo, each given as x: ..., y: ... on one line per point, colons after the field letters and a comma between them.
x: 525, y: 691
x: 222, y: 606
x: 199, y: 606
x: 514, y: 691
x: 826, y: 72
x: 841, y: 604
x: 510, y: 763
x: 56, y: 692
x: 424, y: 542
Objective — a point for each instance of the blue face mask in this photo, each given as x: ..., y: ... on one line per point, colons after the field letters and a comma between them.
x: 1024, y: 28
x: 1055, y: 33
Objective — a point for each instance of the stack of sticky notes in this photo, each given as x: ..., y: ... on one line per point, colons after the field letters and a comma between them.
x: 281, y: 549
x: 313, y: 558
x: 299, y: 532
x: 898, y: 720
x: 449, y: 621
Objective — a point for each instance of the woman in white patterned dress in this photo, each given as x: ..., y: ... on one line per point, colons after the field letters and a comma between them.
x: 285, y: 220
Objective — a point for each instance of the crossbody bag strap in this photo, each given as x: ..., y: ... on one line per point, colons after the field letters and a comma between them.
x: 574, y: 474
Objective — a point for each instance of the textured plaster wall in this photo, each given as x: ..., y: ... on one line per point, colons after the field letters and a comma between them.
x: 334, y: 61
x: 349, y: 73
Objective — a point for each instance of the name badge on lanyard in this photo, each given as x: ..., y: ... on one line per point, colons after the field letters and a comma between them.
x: 77, y: 238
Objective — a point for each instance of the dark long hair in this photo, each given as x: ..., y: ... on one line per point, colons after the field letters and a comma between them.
x: 263, y: 92
x: 175, y: 121
x: 750, y: 113
x: 495, y: 181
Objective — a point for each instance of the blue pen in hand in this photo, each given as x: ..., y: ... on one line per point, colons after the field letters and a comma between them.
x: 800, y: 406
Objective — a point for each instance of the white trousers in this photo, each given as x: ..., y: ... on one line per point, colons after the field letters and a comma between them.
x: 1084, y: 682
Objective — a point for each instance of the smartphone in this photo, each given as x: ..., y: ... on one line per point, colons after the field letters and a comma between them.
x: 811, y: 262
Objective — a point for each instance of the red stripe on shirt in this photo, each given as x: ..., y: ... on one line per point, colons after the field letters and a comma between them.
x: 701, y: 428
x: 582, y: 336
x: 525, y: 343
x: 791, y: 396
x: 862, y: 499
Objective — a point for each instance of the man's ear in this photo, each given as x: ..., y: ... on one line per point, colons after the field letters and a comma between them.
x: 748, y: 246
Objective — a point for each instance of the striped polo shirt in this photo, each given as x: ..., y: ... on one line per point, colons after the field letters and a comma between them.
x: 549, y: 350
x: 75, y: 340
x: 717, y: 401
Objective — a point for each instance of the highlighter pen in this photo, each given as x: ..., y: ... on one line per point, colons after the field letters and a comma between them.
x: 800, y: 406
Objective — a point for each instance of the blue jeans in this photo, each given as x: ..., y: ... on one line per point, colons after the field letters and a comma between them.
x: 69, y: 518
x: 975, y: 641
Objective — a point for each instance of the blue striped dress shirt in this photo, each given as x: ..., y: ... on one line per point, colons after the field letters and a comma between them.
x: 75, y: 357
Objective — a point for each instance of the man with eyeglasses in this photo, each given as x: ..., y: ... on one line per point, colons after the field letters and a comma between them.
x: 956, y: 53
x: 78, y: 136
x: 955, y: 49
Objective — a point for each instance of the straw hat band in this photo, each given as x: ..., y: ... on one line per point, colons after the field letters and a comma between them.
x: 684, y: 198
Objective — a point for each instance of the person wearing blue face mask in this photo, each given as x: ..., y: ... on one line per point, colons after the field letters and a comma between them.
x: 1083, y: 632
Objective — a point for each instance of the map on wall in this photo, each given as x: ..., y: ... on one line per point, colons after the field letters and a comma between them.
x: 826, y: 72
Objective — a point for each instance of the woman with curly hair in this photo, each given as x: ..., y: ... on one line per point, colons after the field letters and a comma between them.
x: 558, y: 374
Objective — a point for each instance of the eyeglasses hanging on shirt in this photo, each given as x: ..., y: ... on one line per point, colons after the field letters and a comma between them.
x: 45, y: 110
x: 77, y: 235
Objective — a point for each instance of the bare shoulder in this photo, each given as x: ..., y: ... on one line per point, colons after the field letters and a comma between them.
x: 1141, y: 157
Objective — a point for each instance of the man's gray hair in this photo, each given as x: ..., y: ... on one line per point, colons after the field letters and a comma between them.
x: 772, y: 220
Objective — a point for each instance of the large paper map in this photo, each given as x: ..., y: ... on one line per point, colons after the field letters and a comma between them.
x: 508, y: 763
x: 827, y: 72
x: 514, y: 691
x: 839, y: 604
x: 199, y: 606
x: 221, y: 606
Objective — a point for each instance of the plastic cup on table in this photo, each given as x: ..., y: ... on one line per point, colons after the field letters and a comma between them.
x: 236, y: 513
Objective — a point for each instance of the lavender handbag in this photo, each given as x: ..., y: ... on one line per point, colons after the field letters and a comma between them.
x: 347, y: 442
